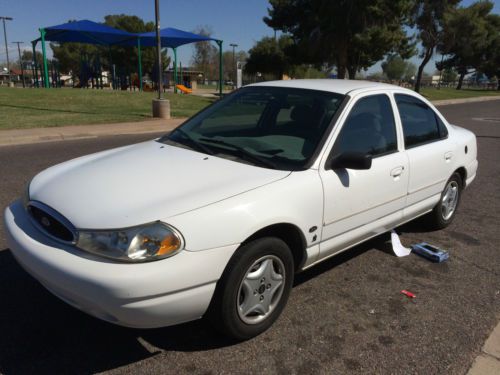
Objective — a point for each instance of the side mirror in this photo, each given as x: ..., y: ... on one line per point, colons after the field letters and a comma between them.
x: 351, y: 160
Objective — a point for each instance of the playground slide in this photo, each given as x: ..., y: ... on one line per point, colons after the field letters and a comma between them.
x: 184, y: 89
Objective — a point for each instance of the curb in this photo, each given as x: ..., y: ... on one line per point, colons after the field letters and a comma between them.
x: 465, y: 100
x: 488, y: 362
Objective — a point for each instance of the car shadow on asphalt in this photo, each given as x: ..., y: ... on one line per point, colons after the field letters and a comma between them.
x: 41, y: 334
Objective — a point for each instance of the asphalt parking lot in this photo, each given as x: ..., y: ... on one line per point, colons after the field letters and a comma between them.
x: 345, y: 316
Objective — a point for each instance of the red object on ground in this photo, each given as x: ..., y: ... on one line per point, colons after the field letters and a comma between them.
x: 408, y: 294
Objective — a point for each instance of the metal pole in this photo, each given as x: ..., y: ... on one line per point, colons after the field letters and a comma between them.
x: 140, y: 62
x: 45, y: 69
x: 33, y: 73
x: 6, y: 47
x: 111, y: 69
x: 175, y: 70
x: 20, y: 61
x: 35, y: 78
x: 219, y: 42
x: 234, y: 65
x: 158, y: 49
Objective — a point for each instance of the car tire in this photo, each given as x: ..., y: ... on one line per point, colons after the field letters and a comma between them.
x: 444, y: 212
x: 253, y: 289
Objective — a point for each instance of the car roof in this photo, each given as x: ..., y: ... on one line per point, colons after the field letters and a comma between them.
x: 340, y: 86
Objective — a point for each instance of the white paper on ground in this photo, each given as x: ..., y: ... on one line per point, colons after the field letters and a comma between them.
x: 397, y: 247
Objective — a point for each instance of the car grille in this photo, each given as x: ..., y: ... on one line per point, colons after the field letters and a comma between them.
x: 51, y: 222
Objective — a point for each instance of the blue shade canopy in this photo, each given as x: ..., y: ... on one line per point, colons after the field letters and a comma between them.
x: 172, y: 38
x: 96, y: 33
x: 87, y: 32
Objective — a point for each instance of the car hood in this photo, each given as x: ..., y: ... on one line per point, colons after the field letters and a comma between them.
x: 141, y: 183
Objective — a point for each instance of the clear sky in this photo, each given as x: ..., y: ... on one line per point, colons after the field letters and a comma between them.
x: 233, y: 21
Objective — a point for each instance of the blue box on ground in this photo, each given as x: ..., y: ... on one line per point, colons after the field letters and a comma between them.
x: 430, y: 252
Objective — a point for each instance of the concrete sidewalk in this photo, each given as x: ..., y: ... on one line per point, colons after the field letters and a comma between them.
x: 488, y: 362
x: 36, y: 135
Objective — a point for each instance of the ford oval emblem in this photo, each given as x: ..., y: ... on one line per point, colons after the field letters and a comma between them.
x: 45, y: 221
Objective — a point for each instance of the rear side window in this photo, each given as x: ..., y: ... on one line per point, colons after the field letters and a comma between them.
x: 420, y: 123
x: 443, y: 132
x: 369, y: 129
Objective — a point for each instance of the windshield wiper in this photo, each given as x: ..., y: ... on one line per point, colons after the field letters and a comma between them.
x: 242, y: 152
x: 193, y: 142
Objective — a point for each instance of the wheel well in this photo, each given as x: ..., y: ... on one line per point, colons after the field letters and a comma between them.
x: 288, y: 233
x: 463, y: 175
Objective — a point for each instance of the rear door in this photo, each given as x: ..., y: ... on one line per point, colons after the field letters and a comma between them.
x: 430, y: 153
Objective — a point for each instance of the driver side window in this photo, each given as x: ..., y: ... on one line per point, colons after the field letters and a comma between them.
x: 369, y: 128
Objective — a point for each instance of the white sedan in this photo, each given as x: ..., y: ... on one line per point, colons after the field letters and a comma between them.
x: 215, y: 218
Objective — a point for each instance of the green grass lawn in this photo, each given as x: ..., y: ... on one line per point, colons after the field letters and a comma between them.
x: 29, y: 108
x: 452, y: 93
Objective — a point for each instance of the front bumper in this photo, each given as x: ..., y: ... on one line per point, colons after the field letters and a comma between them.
x: 140, y: 295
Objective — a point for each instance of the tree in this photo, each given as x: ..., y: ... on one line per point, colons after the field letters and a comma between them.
x: 268, y: 56
x: 449, y: 75
x: 69, y: 55
x: 491, y: 64
x: 466, y: 38
x: 205, y: 55
x: 306, y: 71
x: 376, y: 76
x: 410, y: 72
x: 227, y: 61
x: 394, y: 67
x: 428, y: 17
x: 27, y: 56
x: 351, y: 35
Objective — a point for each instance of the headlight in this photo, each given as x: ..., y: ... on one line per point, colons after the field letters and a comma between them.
x: 137, y: 244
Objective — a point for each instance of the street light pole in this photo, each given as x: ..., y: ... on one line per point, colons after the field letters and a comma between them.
x: 161, y: 106
x: 6, y: 46
x: 20, y: 61
x: 234, y: 45
x: 158, y: 49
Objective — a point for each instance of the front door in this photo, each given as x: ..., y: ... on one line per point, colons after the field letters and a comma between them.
x: 363, y: 203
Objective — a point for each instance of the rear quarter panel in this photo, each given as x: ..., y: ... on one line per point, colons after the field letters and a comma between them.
x: 465, y: 151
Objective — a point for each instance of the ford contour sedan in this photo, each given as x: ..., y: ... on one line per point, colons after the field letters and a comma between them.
x: 215, y: 218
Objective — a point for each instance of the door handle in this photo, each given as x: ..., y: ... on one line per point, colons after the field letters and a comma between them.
x: 396, y: 172
x: 448, y: 155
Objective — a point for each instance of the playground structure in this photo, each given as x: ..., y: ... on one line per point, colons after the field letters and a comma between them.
x: 184, y: 89
x: 89, y: 32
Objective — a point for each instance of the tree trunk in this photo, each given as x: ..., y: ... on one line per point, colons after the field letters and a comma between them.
x: 461, y: 80
x: 341, y: 71
x: 352, y: 71
x: 427, y: 57
x: 341, y: 62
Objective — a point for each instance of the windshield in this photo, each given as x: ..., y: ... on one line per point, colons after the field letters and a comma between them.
x: 273, y: 127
